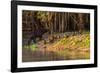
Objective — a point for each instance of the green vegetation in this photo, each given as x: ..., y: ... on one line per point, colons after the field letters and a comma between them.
x: 77, y: 41
x: 31, y: 47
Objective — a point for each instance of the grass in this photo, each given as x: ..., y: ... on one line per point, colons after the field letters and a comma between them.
x: 81, y: 41
x: 31, y: 47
